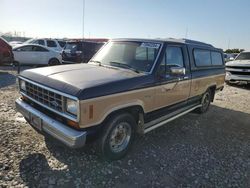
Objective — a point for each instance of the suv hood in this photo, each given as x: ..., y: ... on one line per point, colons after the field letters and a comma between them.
x: 72, y: 79
x: 239, y: 63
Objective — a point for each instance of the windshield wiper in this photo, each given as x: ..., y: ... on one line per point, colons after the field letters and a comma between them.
x: 98, y: 62
x: 126, y: 66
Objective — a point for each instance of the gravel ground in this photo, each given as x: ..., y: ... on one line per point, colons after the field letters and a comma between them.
x: 209, y: 150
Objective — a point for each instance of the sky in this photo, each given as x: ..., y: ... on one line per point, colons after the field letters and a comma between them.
x: 223, y: 23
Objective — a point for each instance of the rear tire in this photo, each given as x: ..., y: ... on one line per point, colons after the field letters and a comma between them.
x: 205, y: 102
x: 53, y: 62
x: 117, y: 136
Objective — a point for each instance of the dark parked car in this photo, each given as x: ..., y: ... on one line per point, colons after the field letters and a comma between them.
x: 80, y: 51
x: 6, y: 55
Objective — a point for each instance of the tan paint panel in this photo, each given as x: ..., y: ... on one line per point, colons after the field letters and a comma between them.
x: 102, y: 106
x: 200, y: 85
x: 172, y: 93
x: 149, y: 99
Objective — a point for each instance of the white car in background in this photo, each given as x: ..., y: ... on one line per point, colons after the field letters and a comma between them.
x: 54, y: 44
x: 33, y: 54
x: 239, y: 69
x: 15, y: 43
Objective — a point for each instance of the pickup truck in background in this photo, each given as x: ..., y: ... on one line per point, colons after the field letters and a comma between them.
x: 239, y: 69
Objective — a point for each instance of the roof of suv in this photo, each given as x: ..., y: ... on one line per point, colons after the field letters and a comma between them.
x: 182, y: 41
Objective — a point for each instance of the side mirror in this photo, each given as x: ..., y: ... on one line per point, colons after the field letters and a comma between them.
x: 178, y: 71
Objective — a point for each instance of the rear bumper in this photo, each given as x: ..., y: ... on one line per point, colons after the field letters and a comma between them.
x: 234, y: 77
x: 70, y: 137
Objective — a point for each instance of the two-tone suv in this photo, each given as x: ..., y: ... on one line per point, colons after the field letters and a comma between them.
x: 130, y: 86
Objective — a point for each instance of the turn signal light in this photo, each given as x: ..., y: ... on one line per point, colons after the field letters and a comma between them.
x: 73, y: 124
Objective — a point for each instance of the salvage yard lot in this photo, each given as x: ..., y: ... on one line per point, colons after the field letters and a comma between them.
x: 212, y: 149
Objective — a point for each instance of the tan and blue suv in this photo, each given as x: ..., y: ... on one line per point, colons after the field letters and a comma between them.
x: 130, y: 87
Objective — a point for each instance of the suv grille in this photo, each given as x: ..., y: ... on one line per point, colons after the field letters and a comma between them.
x: 238, y: 70
x: 44, y: 96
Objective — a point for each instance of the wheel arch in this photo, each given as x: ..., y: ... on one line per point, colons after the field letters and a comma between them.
x: 136, y: 110
x: 54, y: 58
x: 212, y: 88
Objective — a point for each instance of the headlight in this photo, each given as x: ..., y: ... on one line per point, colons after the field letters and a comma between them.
x: 71, y: 106
x: 22, y: 85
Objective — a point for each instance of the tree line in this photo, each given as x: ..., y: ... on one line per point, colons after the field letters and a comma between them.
x: 235, y: 50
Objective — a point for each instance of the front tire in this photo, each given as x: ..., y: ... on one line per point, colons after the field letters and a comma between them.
x: 53, y: 62
x: 117, y: 137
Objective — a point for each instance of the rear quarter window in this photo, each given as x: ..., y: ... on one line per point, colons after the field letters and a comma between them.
x: 216, y: 58
x: 202, y: 58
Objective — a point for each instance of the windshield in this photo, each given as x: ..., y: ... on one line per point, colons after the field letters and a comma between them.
x: 244, y: 56
x: 29, y: 41
x: 139, y: 56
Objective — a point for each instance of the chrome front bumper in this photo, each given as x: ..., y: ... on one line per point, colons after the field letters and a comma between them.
x: 72, y: 138
x: 233, y: 77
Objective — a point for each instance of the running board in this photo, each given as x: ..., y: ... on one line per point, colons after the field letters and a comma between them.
x: 170, y: 119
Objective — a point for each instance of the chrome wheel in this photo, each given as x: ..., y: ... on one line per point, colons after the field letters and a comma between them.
x: 120, y: 137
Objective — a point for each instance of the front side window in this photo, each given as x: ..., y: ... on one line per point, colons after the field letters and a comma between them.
x: 243, y: 56
x: 51, y: 43
x: 202, y: 58
x: 139, y: 56
x: 39, y: 49
x: 24, y: 49
x: 173, y: 58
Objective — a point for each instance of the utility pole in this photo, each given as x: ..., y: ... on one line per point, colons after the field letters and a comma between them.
x: 83, y: 11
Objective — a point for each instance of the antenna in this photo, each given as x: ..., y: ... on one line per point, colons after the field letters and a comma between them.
x: 83, y: 11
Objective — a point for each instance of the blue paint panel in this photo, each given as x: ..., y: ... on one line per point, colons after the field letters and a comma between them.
x: 207, y: 72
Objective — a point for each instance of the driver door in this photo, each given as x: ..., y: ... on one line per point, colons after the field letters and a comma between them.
x: 173, y: 90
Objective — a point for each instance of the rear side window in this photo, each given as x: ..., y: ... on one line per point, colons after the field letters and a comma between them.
x: 51, y: 43
x: 216, y: 58
x: 202, y: 58
x: 88, y: 46
x: 41, y: 42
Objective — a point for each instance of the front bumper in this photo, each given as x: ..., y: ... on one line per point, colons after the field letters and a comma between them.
x: 70, y: 137
x: 233, y: 77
